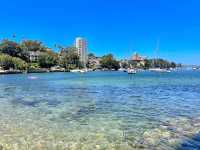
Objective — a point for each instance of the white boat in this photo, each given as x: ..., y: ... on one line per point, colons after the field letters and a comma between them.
x: 159, y: 70
x: 75, y: 70
x: 122, y: 69
x: 2, y: 71
x: 195, y: 68
x: 83, y: 70
x: 79, y: 70
x: 172, y: 69
x: 131, y: 71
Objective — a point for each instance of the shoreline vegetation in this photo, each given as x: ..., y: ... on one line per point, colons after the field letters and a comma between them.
x: 31, y: 56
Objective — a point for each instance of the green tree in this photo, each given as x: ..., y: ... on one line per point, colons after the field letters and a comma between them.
x: 7, y: 62
x: 108, y: 61
x: 147, y: 64
x: 160, y: 63
x: 91, y: 55
x: 31, y: 45
x: 124, y: 65
x: 91, y: 61
x: 173, y: 65
x: 48, y: 59
x: 10, y: 48
x: 69, y: 58
x: 33, y: 66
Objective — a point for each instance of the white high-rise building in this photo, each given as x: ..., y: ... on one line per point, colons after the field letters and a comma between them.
x: 81, y: 45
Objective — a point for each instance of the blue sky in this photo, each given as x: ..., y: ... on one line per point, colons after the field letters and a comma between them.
x: 120, y: 27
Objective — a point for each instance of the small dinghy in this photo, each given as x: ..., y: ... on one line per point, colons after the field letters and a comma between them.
x: 32, y: 77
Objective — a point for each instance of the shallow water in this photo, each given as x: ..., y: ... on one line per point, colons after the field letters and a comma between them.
x: 100, y: 110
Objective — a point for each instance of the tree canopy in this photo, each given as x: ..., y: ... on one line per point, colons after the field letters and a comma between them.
x: 32, y: 45
x: 10, y: 48
x: 48, y: 59
x: 7, y: 62
x: 159, y: 63
x: 109, y: 62
x: 69, y: 58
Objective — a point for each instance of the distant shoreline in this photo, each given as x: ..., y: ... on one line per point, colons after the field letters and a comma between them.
x: 44, y: 70
x: 26, y: 72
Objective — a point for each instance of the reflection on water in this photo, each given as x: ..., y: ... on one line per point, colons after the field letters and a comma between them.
x: 100, y: 110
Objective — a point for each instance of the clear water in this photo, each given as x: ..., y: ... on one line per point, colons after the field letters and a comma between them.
x: 100, y: 111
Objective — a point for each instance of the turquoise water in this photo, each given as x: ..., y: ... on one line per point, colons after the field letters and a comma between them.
x: 100, y: 111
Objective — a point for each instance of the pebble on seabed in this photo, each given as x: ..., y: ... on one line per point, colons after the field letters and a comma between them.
x: 152, y: 138
x: 172, y: 132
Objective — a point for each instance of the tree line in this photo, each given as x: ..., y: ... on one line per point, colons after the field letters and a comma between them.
x: 33, y: 55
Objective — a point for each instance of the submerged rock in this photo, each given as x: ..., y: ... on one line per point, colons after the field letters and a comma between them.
x: 166, y: 134
x: 1, y: 147
x: 26, y: 102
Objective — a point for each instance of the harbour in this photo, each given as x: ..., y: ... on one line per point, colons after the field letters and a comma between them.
x: 110, y: 110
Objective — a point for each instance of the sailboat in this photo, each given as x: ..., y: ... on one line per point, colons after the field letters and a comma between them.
x: 158, y: 69
x: 84, y: 70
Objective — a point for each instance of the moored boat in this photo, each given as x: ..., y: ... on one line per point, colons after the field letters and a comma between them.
x: 122, y: 70
x: 159, y: 70
x: 83, y: 70
x: 196, y: 68
x: 79, y: 70
x: 75, y: 70
x: 11, y: 71
x: 131, y: 71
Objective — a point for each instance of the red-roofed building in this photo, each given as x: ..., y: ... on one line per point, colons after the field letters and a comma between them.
x: 136, y: 57
x: 137, y: 60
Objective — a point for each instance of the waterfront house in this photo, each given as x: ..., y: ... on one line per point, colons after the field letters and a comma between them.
x: 34, y: 55
x: 94, y: 62
x: 137, y: 60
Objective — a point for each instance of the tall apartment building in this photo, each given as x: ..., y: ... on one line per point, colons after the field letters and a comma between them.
x: 81, y: 45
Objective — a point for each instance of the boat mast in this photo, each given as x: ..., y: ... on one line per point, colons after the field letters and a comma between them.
x: 156, y: 51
